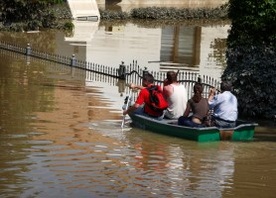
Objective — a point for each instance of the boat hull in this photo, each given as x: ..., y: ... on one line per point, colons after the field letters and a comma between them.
x: 243, y: 132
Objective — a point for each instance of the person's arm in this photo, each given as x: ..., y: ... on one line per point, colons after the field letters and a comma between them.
x: 188, y: 109
x: 212, y: 93
x: 167, y: 91
x: 133, y: 86
x: 139, y: 101
x: 131, y: 109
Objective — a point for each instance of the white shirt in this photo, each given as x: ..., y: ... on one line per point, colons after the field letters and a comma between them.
x: 225, y: 106
x: 177, y: 102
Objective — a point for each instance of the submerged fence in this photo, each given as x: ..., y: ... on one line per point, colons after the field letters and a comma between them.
x: 122, y: 75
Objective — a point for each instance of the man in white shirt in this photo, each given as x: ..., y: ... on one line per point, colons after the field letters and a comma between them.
x: 176, y: 96
x: 225, y: 106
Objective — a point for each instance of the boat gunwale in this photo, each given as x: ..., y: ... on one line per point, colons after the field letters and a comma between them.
x: 171, y: 123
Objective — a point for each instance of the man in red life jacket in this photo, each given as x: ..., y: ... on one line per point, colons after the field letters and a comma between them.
x: 142, y: 105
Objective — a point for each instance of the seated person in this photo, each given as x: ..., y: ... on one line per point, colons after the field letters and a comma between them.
x: 225, y: 106
x: 142, y: 105
x: 176, y: 96
x: 199, y: 107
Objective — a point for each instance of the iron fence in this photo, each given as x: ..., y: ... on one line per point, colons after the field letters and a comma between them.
x: 123, y: 75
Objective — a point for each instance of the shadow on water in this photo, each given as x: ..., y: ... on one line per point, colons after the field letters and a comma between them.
x: 265, y: 133
x: 266, y: 130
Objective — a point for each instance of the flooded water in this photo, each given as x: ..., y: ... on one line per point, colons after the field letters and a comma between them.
x: 60, y: 133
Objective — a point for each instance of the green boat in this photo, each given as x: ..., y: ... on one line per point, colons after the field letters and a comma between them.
x: 244, y: 131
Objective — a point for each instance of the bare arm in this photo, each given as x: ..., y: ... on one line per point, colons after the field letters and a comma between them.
x: 133, y: 86
x: 212, y: 93
x: 167, y: 91
x: 188, y: 109
x: 131, y: 109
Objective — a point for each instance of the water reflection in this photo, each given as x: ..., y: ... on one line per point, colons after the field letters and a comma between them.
x: 61, y: 136
x: 57, y: 152
x: 127, y: 5
x: 62, y: 139
x: 186, y: 172
x: 193, y: 46
x: 178, y: 47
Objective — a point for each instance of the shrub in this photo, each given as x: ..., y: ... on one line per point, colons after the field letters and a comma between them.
x: 251, y: 56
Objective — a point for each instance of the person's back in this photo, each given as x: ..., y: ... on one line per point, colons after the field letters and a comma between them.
x: 225, y: 106
x: 144, y: 98
x: 199, y: 109
x: 177, y: 101
x: 143, y: 104
x: 196, y: 109
x: 176, y: 96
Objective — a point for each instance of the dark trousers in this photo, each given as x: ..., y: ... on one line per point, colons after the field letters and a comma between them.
x: 140, y: 111
x: 224, y: 123
x: 187, y: 121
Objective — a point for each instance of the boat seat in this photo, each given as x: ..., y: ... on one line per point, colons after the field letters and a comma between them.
x: 170, y: 121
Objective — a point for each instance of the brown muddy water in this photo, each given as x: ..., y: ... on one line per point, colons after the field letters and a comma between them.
x: 60, y: 136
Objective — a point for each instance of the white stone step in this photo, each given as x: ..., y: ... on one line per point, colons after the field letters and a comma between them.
x: 84, y: 8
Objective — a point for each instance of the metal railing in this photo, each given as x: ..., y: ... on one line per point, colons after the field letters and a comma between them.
x: 131, y: 73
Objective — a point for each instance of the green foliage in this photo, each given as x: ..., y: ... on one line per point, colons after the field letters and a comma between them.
x: 35, y: 14
x: 251, y: 58
x: 179, y: 14
x: 253, y: 21
x: 68, y: 28
x: 113, y: 15
x: 252, y: 71
x: 57, y: 1
x: 165, y: 13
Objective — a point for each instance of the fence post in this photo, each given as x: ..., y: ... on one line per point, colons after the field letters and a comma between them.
x: 73, y: 60
x: 199, y: 79
x: 28, y: 50
x: 145, y: 71
x: 121, y: 86
x: 122, y: 71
